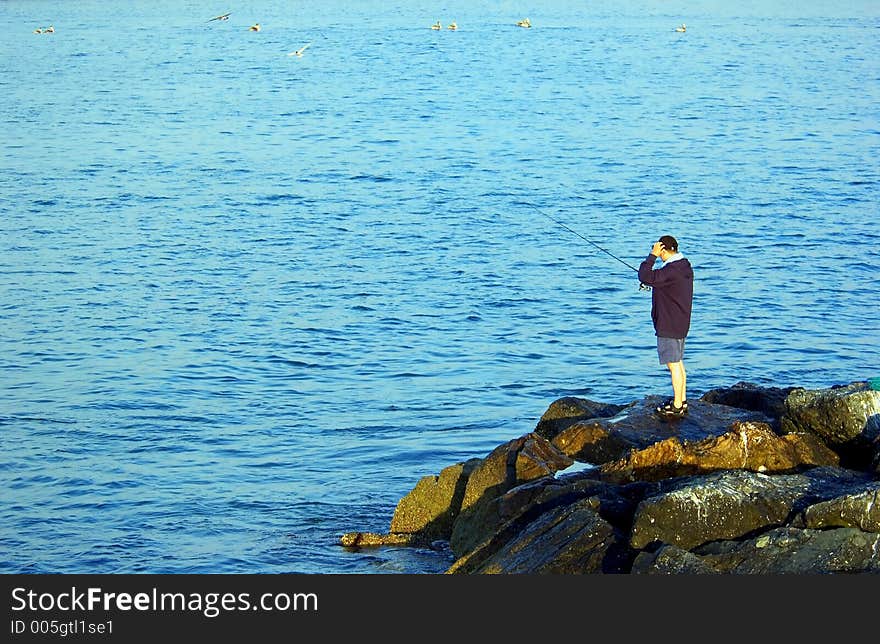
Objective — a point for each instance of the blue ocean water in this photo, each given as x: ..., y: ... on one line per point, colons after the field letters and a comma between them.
x: 248, y: 299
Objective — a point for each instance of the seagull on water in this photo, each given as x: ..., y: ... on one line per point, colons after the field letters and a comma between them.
x: 682, y: 28
x: 299, y: 52
x: 436, y: 26
x: 255, y: 27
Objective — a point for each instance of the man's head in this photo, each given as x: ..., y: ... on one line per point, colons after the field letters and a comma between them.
x: 669, y: 243
x: 665, y: 247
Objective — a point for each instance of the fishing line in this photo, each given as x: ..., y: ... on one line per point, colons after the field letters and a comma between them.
x: 642, y: 287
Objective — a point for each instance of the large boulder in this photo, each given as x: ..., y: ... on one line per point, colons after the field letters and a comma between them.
x: 846, y: 417
x: 566, y: 411
x: 669, y: 559
x: 637, y: 426
x: 783, y: 550
x: 789, y: 550
x: 571, y: 539
x: 523, y: 459
x: 432, y: 506
x: 730, y: 504
x: 857, y: 510
x: 748, y: 445
x: 503, y: 519
x: 770, y: 401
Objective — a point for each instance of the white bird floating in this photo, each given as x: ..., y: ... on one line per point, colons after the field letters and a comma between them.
x: 299, y: 52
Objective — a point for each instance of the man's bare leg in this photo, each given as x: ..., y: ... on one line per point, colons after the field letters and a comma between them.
x: 679, y: 382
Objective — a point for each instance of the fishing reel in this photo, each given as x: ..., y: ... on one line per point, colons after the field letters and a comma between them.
x: 644, y: 287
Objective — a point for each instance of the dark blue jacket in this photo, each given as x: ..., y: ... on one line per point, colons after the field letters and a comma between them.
x: 672, y: 295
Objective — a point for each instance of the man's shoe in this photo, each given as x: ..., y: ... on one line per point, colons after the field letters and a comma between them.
x: 669, y: 405
x: 669, y: 410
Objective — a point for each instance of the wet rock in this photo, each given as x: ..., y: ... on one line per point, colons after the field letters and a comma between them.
x: 432, y: 506
x: 847, y: 418
x: 692, y: 511
x: 637, y: 427
x: 523, y: 459
x: 749, y: 445
x: 566, y: 411
x: 373, y: 539
x: 859, y: 510
x: 783, y: 550
x: 770, y: 401
x: 571, y: 539
x: 670, y: 560
x: 507, y: 516
x: 752, y: 480
x: 788, y: 550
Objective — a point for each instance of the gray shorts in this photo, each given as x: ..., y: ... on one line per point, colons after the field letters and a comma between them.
x: 670, y: 349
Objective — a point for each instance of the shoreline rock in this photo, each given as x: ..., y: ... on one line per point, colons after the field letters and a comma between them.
x: 754, y: 480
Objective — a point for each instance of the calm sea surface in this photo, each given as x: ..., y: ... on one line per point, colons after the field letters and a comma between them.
x: 248, y: 299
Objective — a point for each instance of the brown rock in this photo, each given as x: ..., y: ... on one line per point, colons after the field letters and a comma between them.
x: 637, y: 427
x: 845, y: 417
x: 749, y: 445
x: 571, y: 539
x: 789, y: 550
x: 860, y: 510
x: 368, y: 539
x: 768, y: 400
x: 778, y: 551
x: 432, y: 506
x: 730, y: 504
x: 566, y: 411
x: 670, y: 560
x: 524, y: 459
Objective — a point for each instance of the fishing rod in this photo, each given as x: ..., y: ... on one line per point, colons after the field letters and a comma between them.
x: 642, y: 287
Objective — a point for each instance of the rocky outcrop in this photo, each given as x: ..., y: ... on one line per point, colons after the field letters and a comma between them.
x: 521, y: 460
x: 457, y: 504
x: 778, y: 551
x: 732, y: 504
x: 770, y: 401
x: 431, y: 508
x: 748, y: 445
x: 754, y: 480
x: 857, y: 510
x: 636, y: 427
x: 847, y: 418
x: 567, y: 411
x: 565, y: 540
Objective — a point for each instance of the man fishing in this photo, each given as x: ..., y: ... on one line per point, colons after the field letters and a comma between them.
x: 672, y: 297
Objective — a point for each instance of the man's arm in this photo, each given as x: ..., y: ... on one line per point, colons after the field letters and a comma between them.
x: 647, y: 274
